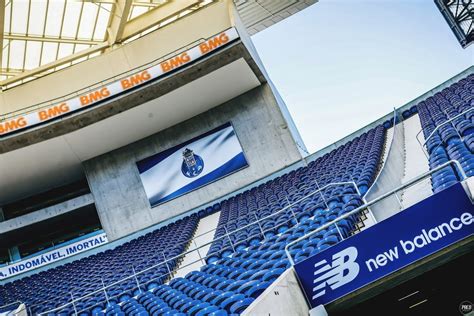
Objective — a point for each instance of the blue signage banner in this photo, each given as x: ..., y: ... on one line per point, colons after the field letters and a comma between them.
x: 48, y: 257
x: 191, y: 165
x: 419, y: 231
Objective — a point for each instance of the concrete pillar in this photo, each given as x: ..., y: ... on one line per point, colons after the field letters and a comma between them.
x: 114, y: 180
x: 283, y: 297
x: 318, y: 311
x: 2, y: 217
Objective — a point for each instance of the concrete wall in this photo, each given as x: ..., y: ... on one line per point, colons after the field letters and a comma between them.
x: 46, y: 213
x: 246, y: 39
x: 120, y: 199
x: 283, y: 297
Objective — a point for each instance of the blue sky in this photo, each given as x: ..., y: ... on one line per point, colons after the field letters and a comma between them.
x: 341, y: 64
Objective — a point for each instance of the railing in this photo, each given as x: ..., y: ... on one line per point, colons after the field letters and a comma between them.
x: 10, y: 304
x: 449, y: 121
x: 366, y: 205
x: 166, y: 262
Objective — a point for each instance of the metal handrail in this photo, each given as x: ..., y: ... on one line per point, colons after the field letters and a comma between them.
x: 366, y: 205
x: 423, y: 146
x: 226, y: 235
x: 283, y: 209
x: 31, y: 108
x: 9, y: 304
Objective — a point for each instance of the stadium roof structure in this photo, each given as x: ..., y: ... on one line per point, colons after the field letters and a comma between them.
x: 459, y: 15
x: 43, y: 36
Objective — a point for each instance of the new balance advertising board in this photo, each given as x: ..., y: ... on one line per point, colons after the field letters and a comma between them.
x: 191, y: 165
x: 417, y: 232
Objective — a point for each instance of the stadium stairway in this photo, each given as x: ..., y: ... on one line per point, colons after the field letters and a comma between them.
x: 199, y: 246
x: 415, y: 163
x: 382, y: 179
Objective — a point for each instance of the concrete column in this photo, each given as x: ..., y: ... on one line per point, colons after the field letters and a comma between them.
x: 318, y: 311
x: 114, y: 180
x: 2, y: 217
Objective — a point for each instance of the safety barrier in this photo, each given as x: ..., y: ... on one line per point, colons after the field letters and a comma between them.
x: 4, y: 307
x: 167, y: 276
x: 366, y: 205
x: 449, y: 121
x: 200, y: 260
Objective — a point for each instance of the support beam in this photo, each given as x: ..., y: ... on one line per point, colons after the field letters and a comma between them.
x: 148, y: 4
x: 10, y: 72
x: 2, y: 27
x: 138, y: 3
x: 56, y: 63
x: 156, y: 16
x: 47, y: 39
x: 117, y: 21
x: 118, y: 30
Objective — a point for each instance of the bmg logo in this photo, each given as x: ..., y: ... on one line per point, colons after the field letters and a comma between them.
x: 343, y: 270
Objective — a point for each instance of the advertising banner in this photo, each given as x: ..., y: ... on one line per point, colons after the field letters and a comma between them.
x: 36, y: 117
x: 52, y: 256
x: 191, y: 165
x: 419, y: 231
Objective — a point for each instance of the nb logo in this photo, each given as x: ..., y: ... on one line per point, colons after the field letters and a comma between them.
x: 343, y: 270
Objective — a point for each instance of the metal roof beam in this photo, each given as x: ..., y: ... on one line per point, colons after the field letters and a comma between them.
x: 139, y: 3
x: 10, y: 72
x: 147, y: 4
x: 2, y: 24
x: 156, y: 16
x: 117, y: 21
x: 54, y: 64
x: 47, y: 39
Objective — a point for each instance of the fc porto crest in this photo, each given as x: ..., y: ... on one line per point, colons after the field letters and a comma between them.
x: 192, y: 165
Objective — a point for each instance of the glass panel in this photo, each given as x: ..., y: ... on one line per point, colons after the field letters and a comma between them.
x: 88, y: 20
x: 20, y: 17
x: 54, y: 18
x: 49, y: 52
x: 71, y: 19
x: 17, y: 49
x: 37, y: 17
x: 33, y: 50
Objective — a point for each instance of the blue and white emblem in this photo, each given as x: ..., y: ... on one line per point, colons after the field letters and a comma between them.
x: 192, y: 165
